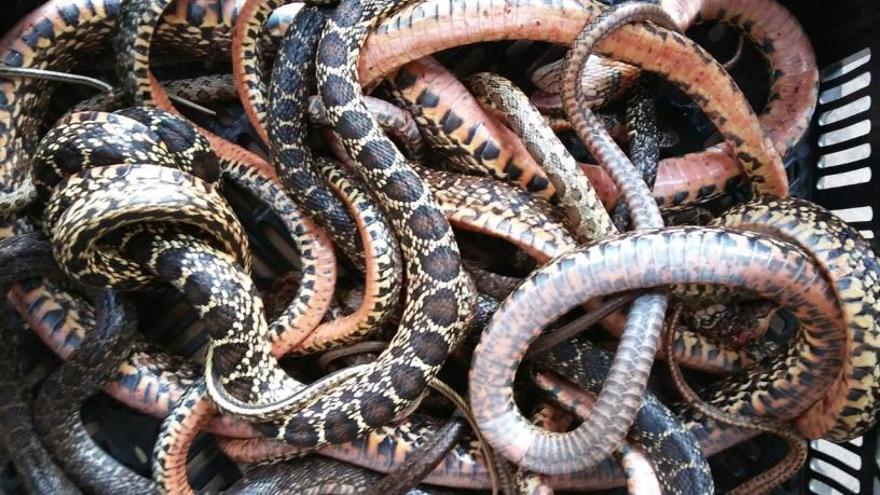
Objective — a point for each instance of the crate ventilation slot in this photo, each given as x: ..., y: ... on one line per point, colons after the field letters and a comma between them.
x: 831, y: 466
x: 844, y: 128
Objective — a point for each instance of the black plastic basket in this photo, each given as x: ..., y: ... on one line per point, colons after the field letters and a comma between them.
x: 845, y: 144
x: 838, y: 161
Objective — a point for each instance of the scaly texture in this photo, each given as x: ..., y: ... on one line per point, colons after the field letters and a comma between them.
x: 439, y: 298
x: 850, y: 407
x: 644, y: 260
x: 678, y: 460
x: 453, y: 123
x: 382, y: 272
x: 398, y: 41
x: 586, y: 215
x: 24, y: 256
x: 247, y: 68
x: 292, y: 83
x: 57, y: 408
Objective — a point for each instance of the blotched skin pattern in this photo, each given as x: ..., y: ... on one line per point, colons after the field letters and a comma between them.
x: 583, y: 209
x: 439, y: 297
x: 406, y: 37
x: 247, y: 65
x: 454, y: 124
x: 292, y: 83
x: 62, y: 35
x: 24, y: 256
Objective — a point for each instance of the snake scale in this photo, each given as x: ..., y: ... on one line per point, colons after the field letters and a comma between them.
x: 674, y: 451
x: 438, y: 297
x: 57, y: 419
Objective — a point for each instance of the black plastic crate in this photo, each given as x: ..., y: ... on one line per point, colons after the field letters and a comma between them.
x: 839, y: 160
x: 846, y: 161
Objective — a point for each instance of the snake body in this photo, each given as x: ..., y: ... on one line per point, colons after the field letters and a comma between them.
x: 644, y: 151
x: 242, y: 375
x: 453, y: 122
x: 677, y: 458
x: 312, y: 477
x: 395, y: 44
x: 24, y: 256
x: 61, y: 396
x: 292, y: 81
x: 534, y: 303
x: 54, y: 37
x: 584, y: 211
x: 423, y: 460
x: 626, y: 380
x: 439, y: 296
x: 848, y: 408
x: 246, y: 61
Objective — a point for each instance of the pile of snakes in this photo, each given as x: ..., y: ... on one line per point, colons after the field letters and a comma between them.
x: 421, y: 246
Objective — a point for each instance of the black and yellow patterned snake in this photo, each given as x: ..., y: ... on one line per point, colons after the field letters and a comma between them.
x: 439, y: 297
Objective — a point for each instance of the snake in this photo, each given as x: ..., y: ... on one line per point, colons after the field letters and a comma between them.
x: 769, y: 479
x: 793, y: 75
x: 160, y: 255
x: 519, y: 222
x: 626, y: 382
x: 147, y: 245
x: 200, y: 89
x: 424, y: 459
x: 692, y: 348
x: 375, y: 307
x: 247, y: 67
x: 255, y: 370
x: 397, y: 122
x: 136, y: 26
x: 674, y: 451
x: 292, y: 82
x: 25, y: 256
x: 760, y: 162
x: 583, y: 209
x: 785, y: 45
x: 61, y: 396
x: 54, y: 37
x: 641, y: 475
x: 439, y: 296
x: 382, y: 274
x: 470, y: 202
x: 720, y: 174
x: 176, y: 251
x: 452, y: 121
x: 137, y: 379
x: 644, y: 149
x: 550, y: 418
x: 150, y: 381
x: 690, y: 250
x: 648, y: 309
x: 395, y: 43
x: 849, y: 408
x: 794, y: 66
x: 313, y: 476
